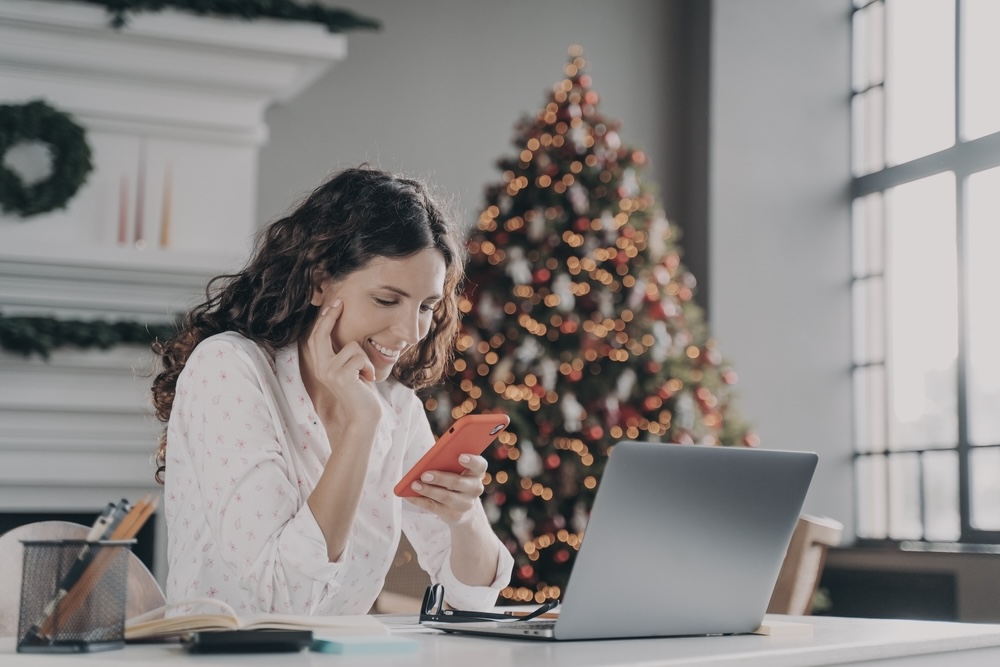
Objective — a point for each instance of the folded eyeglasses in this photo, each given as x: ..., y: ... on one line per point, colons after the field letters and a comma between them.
x: 432, y: 609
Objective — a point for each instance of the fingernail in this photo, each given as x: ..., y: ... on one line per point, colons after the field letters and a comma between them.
x: 338, y: 302
x: 464, y: 458
x: 324, y: 311
x: 416, y: 486
x: 427, y: 477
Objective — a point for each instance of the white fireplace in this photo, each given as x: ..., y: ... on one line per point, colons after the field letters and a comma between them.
x: 174, y: 108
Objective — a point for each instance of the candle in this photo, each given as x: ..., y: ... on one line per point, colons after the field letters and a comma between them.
x: 168, y: 185
x: 123, y: 211
x: 140, y: 187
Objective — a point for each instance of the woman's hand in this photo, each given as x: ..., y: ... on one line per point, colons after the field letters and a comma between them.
x: 453, y: 497
x: 347, y: 375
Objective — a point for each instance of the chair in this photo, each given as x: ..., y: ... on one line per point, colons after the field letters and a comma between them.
x: 405, y: 583
x: 144, y: 593
x: 803, y: 564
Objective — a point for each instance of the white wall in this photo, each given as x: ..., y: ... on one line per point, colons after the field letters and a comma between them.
x: 779, y: 233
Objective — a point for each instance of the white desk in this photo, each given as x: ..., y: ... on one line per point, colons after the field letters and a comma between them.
x: 835, y: 641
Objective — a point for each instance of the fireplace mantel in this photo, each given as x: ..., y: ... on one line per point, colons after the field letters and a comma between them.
x: 174, y: 103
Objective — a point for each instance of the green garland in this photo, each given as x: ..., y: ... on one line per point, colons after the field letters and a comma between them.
x: 40, y: 335
x: 335, y: 20
x: 37, y: 121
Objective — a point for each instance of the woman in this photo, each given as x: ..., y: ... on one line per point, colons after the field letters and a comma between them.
x: 289, y: 397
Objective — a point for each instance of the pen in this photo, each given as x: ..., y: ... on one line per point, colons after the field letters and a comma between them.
x: 102, y: 527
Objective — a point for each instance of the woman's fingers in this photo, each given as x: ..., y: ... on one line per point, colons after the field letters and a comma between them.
x: 321, y: 339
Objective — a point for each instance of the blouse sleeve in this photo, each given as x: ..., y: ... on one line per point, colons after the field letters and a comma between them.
x: 251, y: 498
x: 431, y: 537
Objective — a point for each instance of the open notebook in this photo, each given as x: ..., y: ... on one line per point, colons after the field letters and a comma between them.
x: 682, y: 540
x: 153, y: 624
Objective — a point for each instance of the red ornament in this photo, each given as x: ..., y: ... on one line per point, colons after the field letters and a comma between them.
x: 581, y: 224
x: 542, y: 276
x: 526, y: 571
x: 594, y: 432
x: 575, y: 376
x: 561, y: 556
x: 552, y: 461
x: 567, y: 327
x: 525, y: 496
x: 499, y: 498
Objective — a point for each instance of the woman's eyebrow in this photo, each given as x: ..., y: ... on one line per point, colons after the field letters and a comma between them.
x: 403, y: 293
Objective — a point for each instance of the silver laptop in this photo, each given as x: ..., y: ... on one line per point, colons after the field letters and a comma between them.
x: 682, y: 540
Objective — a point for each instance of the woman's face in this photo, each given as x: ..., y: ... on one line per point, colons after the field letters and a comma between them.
x: 388, y: 305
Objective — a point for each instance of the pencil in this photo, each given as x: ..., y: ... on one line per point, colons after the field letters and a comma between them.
x: 126, y: 529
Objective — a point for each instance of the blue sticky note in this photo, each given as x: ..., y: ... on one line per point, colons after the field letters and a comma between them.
x: 362, y: 645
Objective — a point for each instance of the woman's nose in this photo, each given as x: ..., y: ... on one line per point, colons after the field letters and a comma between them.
x: 409, y: 328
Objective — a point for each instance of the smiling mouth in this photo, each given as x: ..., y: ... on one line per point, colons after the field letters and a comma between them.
x: 389, y: 354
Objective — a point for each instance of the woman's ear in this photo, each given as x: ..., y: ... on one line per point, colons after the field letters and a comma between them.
x: 319, y: 286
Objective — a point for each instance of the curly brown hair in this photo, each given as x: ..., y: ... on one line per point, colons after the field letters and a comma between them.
x: 357, y: 215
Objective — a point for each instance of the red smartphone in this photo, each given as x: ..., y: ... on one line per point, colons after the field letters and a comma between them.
x: 470, y: 434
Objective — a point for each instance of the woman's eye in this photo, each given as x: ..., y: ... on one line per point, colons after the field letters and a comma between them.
x: 385, y: 302
x: 426, y: 307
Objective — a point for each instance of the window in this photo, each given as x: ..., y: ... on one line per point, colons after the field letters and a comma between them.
x: 926, y: 269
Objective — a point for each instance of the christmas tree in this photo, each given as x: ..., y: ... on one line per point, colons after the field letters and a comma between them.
x: 580, y: 324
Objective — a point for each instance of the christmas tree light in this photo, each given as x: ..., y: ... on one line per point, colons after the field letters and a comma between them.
x: 579, y: 323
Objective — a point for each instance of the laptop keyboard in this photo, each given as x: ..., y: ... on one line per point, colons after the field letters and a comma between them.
x: 537, y: 624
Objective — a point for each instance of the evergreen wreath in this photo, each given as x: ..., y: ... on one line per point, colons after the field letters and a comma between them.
x: 40, y: 335
x: 335, y: 20
x: 37, y: 121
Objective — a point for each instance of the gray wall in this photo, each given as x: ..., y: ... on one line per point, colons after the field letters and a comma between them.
x: 779, y: 232
x: 437, y: 91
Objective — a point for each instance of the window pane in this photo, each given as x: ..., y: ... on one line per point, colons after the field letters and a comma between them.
x: 868, y: 235
x: 872, y: 511
x: 921, y: 284
x: 920, y: 77
x: 869, y: 409
x: 985, y: 479
x: 983, y: 275
x: 868, y: 34
x: 867, y: 123
x: 941, y: 496
x: 869, y: 320
x: 980, y: 55
x: 904, y: 497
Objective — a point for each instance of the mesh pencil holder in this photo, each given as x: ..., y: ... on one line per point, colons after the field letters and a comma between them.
x: 73, y: 596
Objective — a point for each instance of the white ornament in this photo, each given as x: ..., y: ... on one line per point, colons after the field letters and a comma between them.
x: 501, y: 371
x: 661, y: 346
x: 659, y: 231
x: 549, y: 371
x: 637, y: 295
x: 536, y: 227
x: 580, y: 518
x: 529, y: 463
x: 606, y: 303
x: 518, y: 267
x: 578, y: 199
x: 562, y: 287
x: 492, y: 511
x: 630, y: 183
x: 572, y: 413
x: 625, y: 384
x: 520, y: 525
x: 609, y: 227
x: 442, y: 413
x: 527, y: 351
x: 489, y: 312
